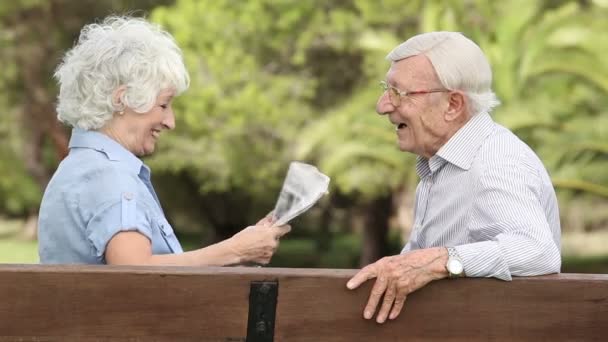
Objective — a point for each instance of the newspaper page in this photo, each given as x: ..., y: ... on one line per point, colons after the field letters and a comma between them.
x: 304, y: 185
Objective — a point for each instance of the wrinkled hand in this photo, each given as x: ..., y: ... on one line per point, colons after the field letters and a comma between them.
x: 258, y: 243
x: 398, y: 276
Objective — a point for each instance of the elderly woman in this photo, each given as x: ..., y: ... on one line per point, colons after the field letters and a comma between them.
x: 116, y: 89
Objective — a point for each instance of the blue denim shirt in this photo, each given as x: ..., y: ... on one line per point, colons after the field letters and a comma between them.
x: 98, y: 190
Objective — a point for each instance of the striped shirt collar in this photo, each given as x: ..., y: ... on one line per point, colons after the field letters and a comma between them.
x: 461, y: 148
x: 106, y: 145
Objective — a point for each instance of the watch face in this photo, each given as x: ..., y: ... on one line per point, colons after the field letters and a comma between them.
x: 455, y: 267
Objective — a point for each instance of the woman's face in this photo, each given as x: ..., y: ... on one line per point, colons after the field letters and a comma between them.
x: 138, y: 132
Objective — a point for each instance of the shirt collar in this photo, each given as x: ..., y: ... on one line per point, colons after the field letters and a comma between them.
x: 461, y: 148
x: 106, y: 145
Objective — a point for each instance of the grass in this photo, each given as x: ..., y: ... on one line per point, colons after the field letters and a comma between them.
x: 585, y: 245
x: 591, y: 264
x: 17, y: 251
x: 582, y: 252
x: 14, y: 250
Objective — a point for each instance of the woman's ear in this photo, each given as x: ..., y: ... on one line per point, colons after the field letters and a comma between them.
x: 117, y: 96
x: 456, y: 106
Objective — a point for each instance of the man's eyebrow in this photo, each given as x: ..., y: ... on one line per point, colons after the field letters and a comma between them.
x: 395, y: 84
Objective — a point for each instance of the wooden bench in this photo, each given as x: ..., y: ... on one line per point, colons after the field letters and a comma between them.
x: 99, y: 303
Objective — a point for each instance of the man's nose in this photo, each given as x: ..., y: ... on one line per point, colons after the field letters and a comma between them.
x: 384, y: 105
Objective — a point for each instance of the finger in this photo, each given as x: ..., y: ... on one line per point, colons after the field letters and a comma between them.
x: 265, y: 258
x: 282, y: 230
x: 261, y: 222
x: 387, y: 303
x: 271, y: 217
x: 374, y: 297
x: 397, y: 306
x: 266, y: 221
x: 361, y: 277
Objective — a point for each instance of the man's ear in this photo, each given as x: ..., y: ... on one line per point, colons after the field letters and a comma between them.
x: 117, y: 96
x: 456, y: 107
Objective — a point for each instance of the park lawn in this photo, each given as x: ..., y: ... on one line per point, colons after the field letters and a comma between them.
x: 582, y: 253
x: 17, y: 251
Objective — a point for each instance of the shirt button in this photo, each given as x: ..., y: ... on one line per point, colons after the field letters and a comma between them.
x: 128, y: 196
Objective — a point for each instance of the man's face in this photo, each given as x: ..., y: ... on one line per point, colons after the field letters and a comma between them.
x: 419, y: 118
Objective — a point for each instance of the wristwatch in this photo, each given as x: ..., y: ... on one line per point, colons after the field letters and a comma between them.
x: 454, y: 264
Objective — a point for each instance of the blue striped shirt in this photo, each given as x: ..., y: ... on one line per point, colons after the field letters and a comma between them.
x: 486, y: 193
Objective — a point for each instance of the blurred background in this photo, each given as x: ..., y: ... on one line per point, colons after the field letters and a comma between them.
x: 281, y: 80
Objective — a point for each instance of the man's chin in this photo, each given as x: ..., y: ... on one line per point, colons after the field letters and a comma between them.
x: 403, y: 147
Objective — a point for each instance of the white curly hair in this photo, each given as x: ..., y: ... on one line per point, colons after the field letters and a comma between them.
x: 120, y: 51
x: 459, y: 63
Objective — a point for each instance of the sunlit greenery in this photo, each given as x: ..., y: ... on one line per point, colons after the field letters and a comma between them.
x: 274, y: 81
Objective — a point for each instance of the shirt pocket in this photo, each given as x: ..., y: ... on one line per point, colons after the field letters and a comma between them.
x: 166, y: 231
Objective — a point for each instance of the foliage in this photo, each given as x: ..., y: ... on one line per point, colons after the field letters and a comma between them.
x: 246, y: 100
x: 278, y: 80
x: 549, y: 74
x: 18, y: 191
x: 250, y: 96
x: 33, y: 35
x: 554, y: 92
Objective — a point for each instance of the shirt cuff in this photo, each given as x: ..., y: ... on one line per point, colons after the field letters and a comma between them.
x: 483, y: 259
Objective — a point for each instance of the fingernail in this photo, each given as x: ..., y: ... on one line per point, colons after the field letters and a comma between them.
x: 350, y: 285
x: 380, y: 320
x: 367, y: 314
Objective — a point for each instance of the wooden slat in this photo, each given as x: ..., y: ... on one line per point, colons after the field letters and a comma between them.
x: 96, y: 303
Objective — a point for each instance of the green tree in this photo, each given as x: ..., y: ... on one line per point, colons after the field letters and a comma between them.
x: 260, y: 72
x: 550, y: 73
x: 33, y: 36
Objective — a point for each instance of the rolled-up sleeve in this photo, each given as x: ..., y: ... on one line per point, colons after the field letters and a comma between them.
x: 124, y: 214
x: 510, y: 225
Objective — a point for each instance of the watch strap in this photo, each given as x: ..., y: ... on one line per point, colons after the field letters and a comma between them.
x: 453, y: 254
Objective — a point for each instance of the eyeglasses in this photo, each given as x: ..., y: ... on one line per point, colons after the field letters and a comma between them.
x: 395, y: 94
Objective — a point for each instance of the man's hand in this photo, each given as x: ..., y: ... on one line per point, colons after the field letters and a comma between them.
x: 398, y: 276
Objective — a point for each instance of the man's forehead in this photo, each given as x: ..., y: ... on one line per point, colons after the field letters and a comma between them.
x: 416, y: 69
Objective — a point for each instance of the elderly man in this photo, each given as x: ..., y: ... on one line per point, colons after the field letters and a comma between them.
x: 485, y: 205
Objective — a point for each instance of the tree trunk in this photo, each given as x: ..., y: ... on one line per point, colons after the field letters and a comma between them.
x: 32, y: 50
x: 30, y: 228
x: 38, y: 119
x: 375, y: 230
x: 403, y: 202
x: 324, y: 237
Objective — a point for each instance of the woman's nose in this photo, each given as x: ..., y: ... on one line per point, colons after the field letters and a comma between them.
x: 169, y: 120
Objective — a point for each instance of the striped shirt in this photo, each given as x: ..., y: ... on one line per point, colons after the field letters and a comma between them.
x: 487, y: 194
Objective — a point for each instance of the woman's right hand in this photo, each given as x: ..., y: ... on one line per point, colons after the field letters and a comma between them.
x: 258, y: 243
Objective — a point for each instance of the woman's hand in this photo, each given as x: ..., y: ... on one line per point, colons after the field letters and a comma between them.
x: 258, y: 243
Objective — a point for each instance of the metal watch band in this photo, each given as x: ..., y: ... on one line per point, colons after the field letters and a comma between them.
x: 453, y: 254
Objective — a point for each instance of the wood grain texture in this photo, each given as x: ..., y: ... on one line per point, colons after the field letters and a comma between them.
x: 99, y: 303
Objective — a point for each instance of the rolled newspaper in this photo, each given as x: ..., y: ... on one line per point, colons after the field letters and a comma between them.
x: 304, y: 185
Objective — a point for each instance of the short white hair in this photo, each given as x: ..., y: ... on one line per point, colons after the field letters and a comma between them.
x: 120, y: 51
x: 459, y: 63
